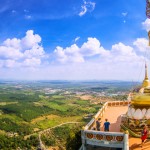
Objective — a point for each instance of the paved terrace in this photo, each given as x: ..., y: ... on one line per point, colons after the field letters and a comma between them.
x: 113, y: 114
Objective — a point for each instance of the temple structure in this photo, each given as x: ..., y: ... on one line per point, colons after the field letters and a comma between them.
x: 127, y: 119
x: 138, y: 114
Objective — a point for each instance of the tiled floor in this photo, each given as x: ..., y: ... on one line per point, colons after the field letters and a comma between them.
x: 135, y: 144
x: 113, y: 114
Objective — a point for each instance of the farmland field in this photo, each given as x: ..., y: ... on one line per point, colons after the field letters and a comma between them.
x: 27, y: 108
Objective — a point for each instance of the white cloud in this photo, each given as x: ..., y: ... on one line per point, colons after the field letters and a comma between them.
x: 120, y: 62
x: 26, y: 11
x: 146, y: 24
x: 124, y: 14
x: 30, y: 40
x: 7, y: 63
x: 69, y: 54
x: 121, y: 53
x: 13, y: 11
x: 24, y: 58
x: 35, y: 51
x: 92, y: 47
x: 77, y: 38
x: 141, y: 44
x: 77, y: 54
x: 84, y: 10
x: 121, y: 49
x: 32, y: 62
x: 10, y: 53
x: 87, y: 7
x: 28, y: 17
x: 15, y: 43
x: 26, y: 51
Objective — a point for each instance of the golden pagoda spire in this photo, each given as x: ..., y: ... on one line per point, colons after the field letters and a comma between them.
x: 146, y: 73
x: 149, y: 37
x: 146, y: 82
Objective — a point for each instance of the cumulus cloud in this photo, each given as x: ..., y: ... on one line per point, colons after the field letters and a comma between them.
x: 69, y: 54
x: 32, y: 62
x: 124, y: 54
x: 87, y: 7
x: 92, y: 49
x: 146, y: 24
x: 17, y: 52
x: 7, y: 63
x: 141, y: 44
x: 30, y: 40
x: 121, y: 61
x: 77, y: 54
x: 89, y: 61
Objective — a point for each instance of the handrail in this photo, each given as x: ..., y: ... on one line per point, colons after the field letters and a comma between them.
x: 105, y: 139
x: 100, y: 112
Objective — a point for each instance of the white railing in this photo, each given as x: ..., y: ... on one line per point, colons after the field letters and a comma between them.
x: 98, y: 114
x: 104, y: 139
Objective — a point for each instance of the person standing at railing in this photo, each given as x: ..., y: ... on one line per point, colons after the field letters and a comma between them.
x: 106, y: 125
x: 98, y: 124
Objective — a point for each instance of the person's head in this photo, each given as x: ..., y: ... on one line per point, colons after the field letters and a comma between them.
x: 106, y: 119
x: 99, y: 119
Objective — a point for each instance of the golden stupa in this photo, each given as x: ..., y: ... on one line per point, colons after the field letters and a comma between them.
x: 141, y: 98
x: 138, y: 114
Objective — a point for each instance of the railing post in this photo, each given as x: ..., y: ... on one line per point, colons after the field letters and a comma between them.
x: 126, y: 141
x: 83, y: 140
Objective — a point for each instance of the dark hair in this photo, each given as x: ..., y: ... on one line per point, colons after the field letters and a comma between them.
x: 99, y: 118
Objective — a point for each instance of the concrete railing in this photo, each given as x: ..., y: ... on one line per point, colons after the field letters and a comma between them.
x: 98, y: 114
x: 104, y: 139
x: 118, y: 103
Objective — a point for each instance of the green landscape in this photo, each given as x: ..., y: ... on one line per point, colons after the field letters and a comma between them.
x: 27, y: 109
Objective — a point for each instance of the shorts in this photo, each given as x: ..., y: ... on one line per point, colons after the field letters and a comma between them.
x: 106, y: 130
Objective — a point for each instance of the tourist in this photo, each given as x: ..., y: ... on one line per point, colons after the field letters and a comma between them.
x: 144, y: 134
x: 106, y: 125
x: 98, y: 124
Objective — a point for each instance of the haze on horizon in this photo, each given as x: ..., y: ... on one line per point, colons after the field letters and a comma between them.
x: 83, y: 40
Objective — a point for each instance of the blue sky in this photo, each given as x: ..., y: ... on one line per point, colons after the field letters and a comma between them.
x: 72, y: 39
